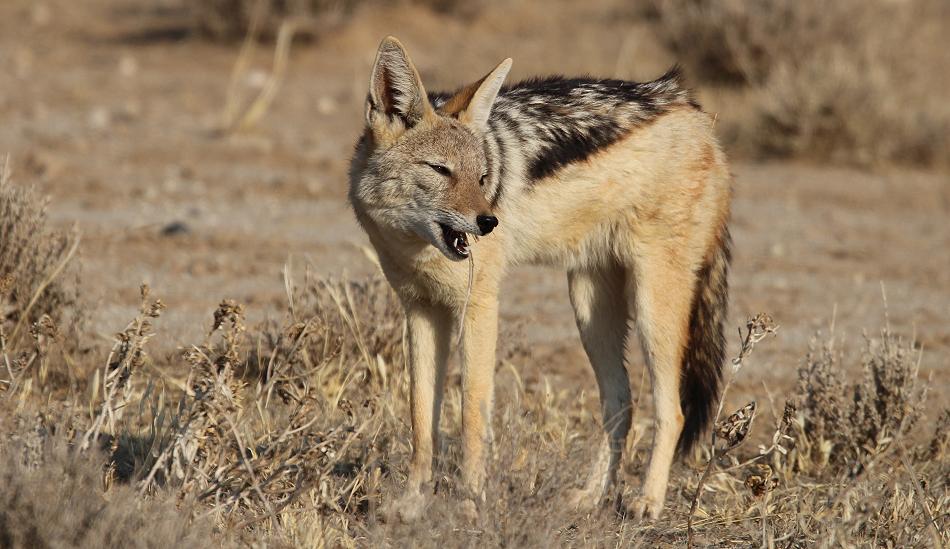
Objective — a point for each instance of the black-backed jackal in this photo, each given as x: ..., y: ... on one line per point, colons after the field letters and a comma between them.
x: 621, y: 183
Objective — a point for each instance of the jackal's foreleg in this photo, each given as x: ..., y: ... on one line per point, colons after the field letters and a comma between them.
x: 478, y: 371
x: 429, y: 334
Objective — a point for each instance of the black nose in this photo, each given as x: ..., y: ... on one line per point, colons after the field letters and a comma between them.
x: 486, y: 223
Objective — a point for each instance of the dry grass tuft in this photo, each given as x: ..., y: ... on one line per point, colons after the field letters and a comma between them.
x: 848, y: 81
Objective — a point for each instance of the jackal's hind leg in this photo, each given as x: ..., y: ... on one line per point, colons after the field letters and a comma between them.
x: 602, y: 312
x: 664, y: 286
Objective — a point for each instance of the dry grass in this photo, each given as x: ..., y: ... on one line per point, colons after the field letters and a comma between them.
x: 852, y: 81
x: 295, y: 434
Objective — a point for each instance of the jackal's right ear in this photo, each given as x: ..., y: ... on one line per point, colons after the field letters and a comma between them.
x: 395, y: 89
x: 472, y: 104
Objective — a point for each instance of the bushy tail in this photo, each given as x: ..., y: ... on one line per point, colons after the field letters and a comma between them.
x: 705, y: 351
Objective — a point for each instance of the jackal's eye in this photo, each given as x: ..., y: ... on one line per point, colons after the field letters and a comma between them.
x: 483, y: 180
x: 440, y: 169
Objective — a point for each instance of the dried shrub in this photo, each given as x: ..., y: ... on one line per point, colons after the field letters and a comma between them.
x: 59, y: 500
x: 821, y: 404
x: 843, y: 425
x: 888, y: 402
x: 307, y: 440
x: 233, y: 19
x: 736, y: 42
x: 355, y: 328
x: 845, y: 105
x: 848, y: 81
x: 730, y: 41
x: 309, y: 434
x: 461, y: 8
x: 39, y: 275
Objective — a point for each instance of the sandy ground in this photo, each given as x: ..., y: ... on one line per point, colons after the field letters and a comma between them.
x: 112, y: 109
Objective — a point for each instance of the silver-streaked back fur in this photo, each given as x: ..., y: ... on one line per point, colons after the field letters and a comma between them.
x: 540, y: 125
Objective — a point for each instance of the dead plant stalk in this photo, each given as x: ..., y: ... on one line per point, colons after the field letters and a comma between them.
x: 737, y: 426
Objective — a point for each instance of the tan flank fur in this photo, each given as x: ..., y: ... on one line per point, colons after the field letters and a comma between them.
x: 622, y: 184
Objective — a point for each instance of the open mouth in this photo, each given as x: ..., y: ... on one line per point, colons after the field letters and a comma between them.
x: 455, y: 240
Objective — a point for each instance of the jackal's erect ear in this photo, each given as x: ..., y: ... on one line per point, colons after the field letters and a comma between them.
x: 472, y: 104
x: 395, y: 89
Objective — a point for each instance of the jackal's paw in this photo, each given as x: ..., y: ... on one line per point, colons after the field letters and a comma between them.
x: 579, y: 499
x: 469, y: 510
x: 643, y: 507
x: 407, y: 508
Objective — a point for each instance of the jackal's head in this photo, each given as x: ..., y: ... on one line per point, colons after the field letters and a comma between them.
x: 419, y: 170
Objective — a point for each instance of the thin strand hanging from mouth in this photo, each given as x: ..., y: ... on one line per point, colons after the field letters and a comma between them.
x: 468, y: 297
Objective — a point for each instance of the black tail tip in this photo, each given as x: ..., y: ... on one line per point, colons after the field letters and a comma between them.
x: 698, y: 410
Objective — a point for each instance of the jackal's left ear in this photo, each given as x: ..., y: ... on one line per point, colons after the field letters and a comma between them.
x: 472, y: 104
